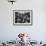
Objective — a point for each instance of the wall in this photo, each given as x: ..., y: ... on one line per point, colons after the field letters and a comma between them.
x: 37, y: 31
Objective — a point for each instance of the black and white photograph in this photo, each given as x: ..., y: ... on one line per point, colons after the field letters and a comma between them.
x: 22, y: 16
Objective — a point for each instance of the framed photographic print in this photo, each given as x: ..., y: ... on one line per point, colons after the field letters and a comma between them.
x: 22, y: 17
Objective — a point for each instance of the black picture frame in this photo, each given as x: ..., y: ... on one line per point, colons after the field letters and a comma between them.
x: 22, y: 17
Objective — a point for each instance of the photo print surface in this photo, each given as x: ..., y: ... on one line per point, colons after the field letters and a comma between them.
x: 22, y: 17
